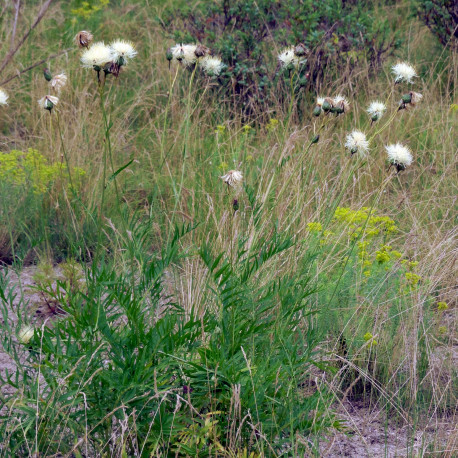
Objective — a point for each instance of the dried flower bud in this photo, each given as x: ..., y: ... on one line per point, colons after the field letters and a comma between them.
x: 83, y: 39
x: 201, y: 51
x: 300, y: 50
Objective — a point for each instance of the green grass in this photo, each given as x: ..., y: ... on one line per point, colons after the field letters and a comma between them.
x: 180, y: 323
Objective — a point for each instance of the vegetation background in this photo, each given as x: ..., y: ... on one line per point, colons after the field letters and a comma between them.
x: 170, y: 314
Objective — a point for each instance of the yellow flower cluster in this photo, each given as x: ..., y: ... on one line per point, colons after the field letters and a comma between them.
x: 441, y: 306
x: 314, y: 227
x: 272, y: 124
x: 368, y: 336
x: 360, y: 223
x: 383, y: 254
x: 412, y: 279
x: 220, y: 129
x: 21, y: 168
x: 88, y: 8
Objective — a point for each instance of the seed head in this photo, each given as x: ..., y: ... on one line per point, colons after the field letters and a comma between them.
x: 83, y: 39
x: 48, y: 102
x: 3, y: 97
x: 289, y: 59
x: 185, y: 54
x: 97, y: 56
x: 376, y: 110
x: 399, y: 156
x: 232, y: 178
x: 403, y: 72
x: 58, y: 81
x: 122, y: 51
x: 212, y: 65
x: 357, y: 142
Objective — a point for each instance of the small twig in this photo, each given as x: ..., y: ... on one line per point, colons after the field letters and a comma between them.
x: 16, y: 15
x: 16, y: 48
x: 36, y: 64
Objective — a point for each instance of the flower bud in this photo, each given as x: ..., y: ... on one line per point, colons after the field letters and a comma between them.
x: 317, y: 111
x: 315, y: 139
x: 169, y: 54
x: 235, y: 205
x: 339, y: 109
x: 407, y: 98
x: 327, y: 106
x: 47, y: 74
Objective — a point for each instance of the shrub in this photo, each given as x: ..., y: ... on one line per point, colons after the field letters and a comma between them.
x: 338, y: 34
x: 441, y: 17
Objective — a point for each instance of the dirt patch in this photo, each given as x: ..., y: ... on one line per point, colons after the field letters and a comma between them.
x: 371, y: 432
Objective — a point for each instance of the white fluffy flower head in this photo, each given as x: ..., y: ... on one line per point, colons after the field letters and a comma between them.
x: 48, y: 102
x: 376, y: 110
x: 357, y: 142
x: 3, y: 97
x: 319, y: 101
x: 399, y: 155
x: 403, y: 72
x: 289, y: 59
x: 97, y: 56
x: 212, y: 65
x: 124, y: 50
x: 58, y: 81
x: 184, y: 54
x: 232, y: 178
